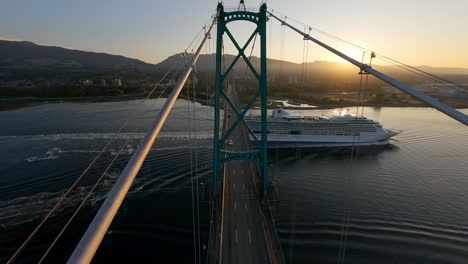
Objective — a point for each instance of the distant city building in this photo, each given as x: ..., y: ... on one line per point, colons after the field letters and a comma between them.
x: 292, y: 80
x: 116, y: 83
x: 139, y: 82
x: 103, y: 83
x: 87, y: 83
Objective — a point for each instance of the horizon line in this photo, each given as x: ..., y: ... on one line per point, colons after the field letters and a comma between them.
x: 156, y: 63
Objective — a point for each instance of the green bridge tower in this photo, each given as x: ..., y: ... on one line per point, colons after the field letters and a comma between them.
x: 259, y: 154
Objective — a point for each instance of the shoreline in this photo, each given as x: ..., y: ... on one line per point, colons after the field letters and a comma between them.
x: 13, y: 103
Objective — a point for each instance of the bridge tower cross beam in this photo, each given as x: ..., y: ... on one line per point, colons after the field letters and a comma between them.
x: 259, y: 19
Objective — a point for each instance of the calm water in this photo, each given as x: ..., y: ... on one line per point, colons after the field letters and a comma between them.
x: 405, y: 203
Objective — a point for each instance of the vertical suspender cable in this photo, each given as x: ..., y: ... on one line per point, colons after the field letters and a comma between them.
x: 360, y: 87
x: 283, y: 32
x: 196, y: 171
x: 372, y: 56
x: 270, y: 37
x: 91, y: 240
x: 191, y: 175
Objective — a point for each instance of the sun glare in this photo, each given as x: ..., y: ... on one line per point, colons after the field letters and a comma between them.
x: 351, y: 52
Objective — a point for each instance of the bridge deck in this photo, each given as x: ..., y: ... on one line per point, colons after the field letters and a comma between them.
x: 242, y: 228
x: 243, y: 239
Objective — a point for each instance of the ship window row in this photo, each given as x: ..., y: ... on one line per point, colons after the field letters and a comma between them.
x: 320, y: 130
x: 323, y: 130
x: 321, y: 133
x: 322, y: 127
x: 314, y: 125
x: 323, y: 122
x: 326, y: 126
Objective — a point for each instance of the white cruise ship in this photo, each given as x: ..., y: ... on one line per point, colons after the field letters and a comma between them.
x: 287, y: 130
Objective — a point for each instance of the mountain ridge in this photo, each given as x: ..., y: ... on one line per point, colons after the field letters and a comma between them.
x: 26, y: 55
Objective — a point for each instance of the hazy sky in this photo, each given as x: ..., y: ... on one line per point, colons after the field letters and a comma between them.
x: 419, y: 32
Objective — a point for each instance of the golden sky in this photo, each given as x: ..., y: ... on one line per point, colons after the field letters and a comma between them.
x: 417, y: 32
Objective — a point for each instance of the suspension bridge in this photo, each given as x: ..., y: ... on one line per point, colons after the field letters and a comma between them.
x: 242, y: 229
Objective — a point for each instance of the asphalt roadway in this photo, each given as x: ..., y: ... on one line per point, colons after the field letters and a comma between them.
x: 243, y: 237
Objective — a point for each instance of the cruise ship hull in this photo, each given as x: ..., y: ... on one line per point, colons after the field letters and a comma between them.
x: 311, y: 141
